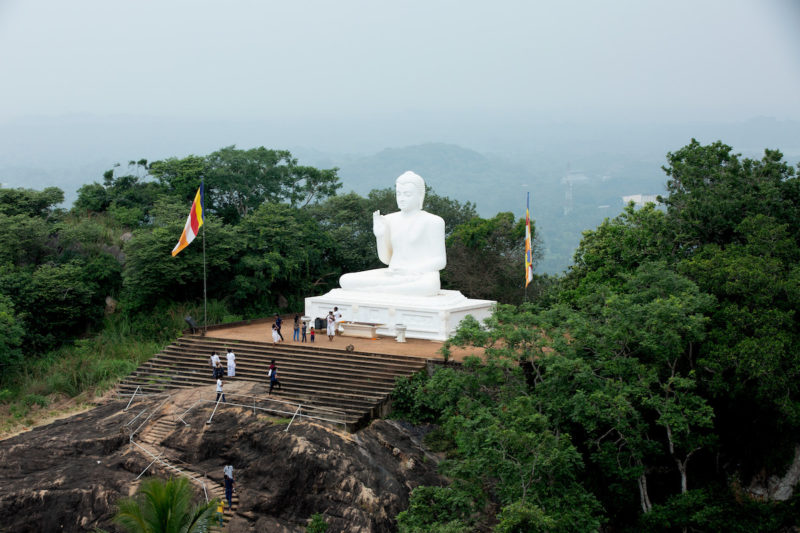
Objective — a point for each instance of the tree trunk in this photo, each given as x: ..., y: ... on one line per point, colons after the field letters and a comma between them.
x: 783, y: 490
x: 682, y: 470
x: 644, y: 498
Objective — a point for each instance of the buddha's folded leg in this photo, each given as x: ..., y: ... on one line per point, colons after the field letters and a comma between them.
x: 383, y: 280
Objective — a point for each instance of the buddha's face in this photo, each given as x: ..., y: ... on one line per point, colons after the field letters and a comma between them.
x: 408, y: 199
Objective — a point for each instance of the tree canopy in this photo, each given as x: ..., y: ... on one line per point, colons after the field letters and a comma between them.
x: 665, y: 362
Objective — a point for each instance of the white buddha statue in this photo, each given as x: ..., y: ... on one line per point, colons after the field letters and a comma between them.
x: 410, y: 242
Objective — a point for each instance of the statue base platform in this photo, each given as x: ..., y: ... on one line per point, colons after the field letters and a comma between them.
x: 425, y: 317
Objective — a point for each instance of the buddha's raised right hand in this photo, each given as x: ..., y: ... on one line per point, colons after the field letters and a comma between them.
x: 378, y: 224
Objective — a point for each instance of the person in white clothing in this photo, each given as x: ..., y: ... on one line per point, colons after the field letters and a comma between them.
x: 219, y: 391
x: 331, y: 329
x: 231, y: 363
x: 214, y: 359
x: 337, y: 317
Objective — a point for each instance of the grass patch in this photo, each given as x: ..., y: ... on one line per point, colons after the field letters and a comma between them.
x: 92, y: 366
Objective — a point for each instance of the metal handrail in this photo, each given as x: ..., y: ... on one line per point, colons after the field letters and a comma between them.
x: 154, y: 411
x: 157, y: 458
x: 268, y: 410
x: 164, y: 463
x: 137, y: 416
x: 293, y: 404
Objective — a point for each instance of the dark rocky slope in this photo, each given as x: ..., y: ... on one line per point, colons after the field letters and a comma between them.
x: 68, y: 475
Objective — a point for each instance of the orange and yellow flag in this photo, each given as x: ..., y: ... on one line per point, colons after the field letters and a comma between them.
x: 528, y: 251
x: 193, y: 223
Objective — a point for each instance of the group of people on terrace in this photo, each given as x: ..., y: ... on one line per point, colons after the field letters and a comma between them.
x: 216, y: 367
x: 303, y: 332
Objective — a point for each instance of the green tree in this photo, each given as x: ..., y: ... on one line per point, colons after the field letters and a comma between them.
x: 29, y: 202
x: 737, y: 225
x: 347, y: 219
x: 24, y: 240
x: 285, y: 256
x: 151, y: 274
x: 239, y: 181
x: 11, y: 334
x: 485, y: 258
x: 617, y: 247
x: 127, y: 198
x: 711, y: 190
x: 180, y: 177
x: 165, y: 507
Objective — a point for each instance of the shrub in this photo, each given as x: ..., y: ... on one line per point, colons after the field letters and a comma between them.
x: 316, y: 524
x: 35, y: 399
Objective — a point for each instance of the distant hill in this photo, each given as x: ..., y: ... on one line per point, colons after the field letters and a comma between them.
x: 504, y: 159
x: 498, y: 183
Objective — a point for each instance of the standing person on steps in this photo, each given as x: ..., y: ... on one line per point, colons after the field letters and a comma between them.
x: 273, y: 377
x: 214, y: 361
x: 304, y: 331
x: 227, y: 474
x: 219, y: 390
x: 231, y: 363
x: 276, y: 336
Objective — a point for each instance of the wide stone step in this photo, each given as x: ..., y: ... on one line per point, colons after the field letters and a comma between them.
x: 284, y: 367
x: 368, y: 394
x: 332, y: 384
x: 341, y: 357
x: 374, y: 372
x: 346, y: 386
x: 199, y: 344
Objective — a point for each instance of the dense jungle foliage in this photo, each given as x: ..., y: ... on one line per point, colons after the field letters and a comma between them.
x: 87, y: 293
x: 655, y: 387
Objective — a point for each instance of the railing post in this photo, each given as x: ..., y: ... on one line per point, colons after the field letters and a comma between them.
x: 148, y: 467
x: 214, y: 411
x: 292, y: 420
x: 129, y: 402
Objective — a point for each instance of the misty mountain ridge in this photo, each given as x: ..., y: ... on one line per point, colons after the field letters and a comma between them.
x: 477, y: 164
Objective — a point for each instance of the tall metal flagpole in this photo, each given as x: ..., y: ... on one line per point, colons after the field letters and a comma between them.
x: 205, y: 305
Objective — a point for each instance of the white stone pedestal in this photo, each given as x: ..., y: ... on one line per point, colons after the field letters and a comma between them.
x: 425, y: 317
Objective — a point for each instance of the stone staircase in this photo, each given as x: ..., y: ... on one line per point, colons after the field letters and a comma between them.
x: 151, y: 439
x: 354, y: 386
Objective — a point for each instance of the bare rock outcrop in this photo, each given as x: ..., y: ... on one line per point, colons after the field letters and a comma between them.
x: 68, y: 475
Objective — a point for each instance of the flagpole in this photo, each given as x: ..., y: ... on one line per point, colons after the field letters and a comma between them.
x: 205, y: 305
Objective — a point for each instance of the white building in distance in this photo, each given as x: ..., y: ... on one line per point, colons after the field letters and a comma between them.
x: 639, y: 200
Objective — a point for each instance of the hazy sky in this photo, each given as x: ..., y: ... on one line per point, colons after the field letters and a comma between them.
x: 636, y: 60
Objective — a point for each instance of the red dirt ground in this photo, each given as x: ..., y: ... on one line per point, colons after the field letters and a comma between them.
x: 262, y: 332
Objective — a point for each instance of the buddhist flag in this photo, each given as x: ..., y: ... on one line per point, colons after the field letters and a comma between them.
x: 193, y: 223
x: 528, y: 252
